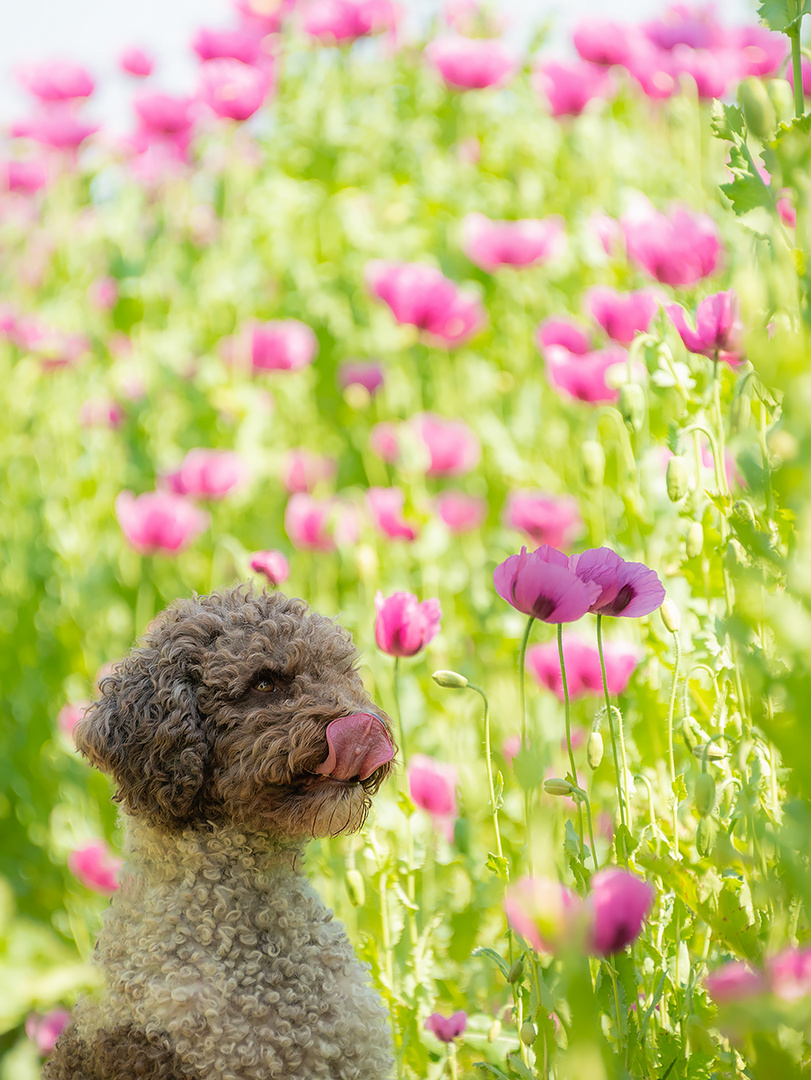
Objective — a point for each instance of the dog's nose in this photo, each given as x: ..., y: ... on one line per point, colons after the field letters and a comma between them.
x: 358, y: 745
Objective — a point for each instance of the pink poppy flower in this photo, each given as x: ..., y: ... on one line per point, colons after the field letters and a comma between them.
x: 233, y: 89
x: 712, y: 70
x: 471, y: 63
x: 208, y: 474
x: 510, y: 747
x: 609, y: 233
x: 70, y: 714
x: 805, y: 68
x: 604, y: 42
x: 53, y: 347
x: 137, y: 62
x: 542, y: 911
x: 96, y: 867
x: 229, y: 43
x: 103, y: 293
x: 164, y: 114
x: 545, y: 519
x: 734, y: 981
x: 618, y: 905
x: 365, y: 373
x: 786, y: 209
x: 432, y: 787
x: 303, y: 470
x: 403, y: 625
x: 386, y: 510
x: 25, y: 177
x: 719, y: 331
x: 339, y: 21
x: 420, y: 295
x: 59, y: 128
x: 677, y: 248
x: 542, y: 585
x: 384, y: 440
x: 453, y: 449
x: 584, y: 377
x: 622, y: 315
x: 527, y: 242
x: 276, y: 345
x: 159, y: 521
x: 789, y: 973
x: 273, y: 564
x: 56, y: 80
x: 569, y: 85
x: 653, y: 69
x: 684, y: 24
x: 583, y: 672
x: 761, y: 51
x: 43, y: 1031
x: 461, y: 513
x: 446, y: 1028
x: 102, y: 412
x: 264, y: 16
x: 625, y: 588
x: 309, y: 522
x: 565, y: 332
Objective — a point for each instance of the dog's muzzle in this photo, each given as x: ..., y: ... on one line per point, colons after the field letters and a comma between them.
x: 358, y: 745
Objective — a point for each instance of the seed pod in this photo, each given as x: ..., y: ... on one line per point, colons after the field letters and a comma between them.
x: 632, y: 405
x: 758, y: 109
x: 677, y: 479
x: 516, y: 972
x: 593, y: 462
x: 451, y: 680
x: 704, y: 794
x: 528, y: 1033
x: 670, y: 616
x: 556, y: 786
x: 594, y: 749
x: 355, y: 888
x: 705, y: 835
x: 782, y: 98
x: 695, y: 540
x: 461, y: 835
x: 494, y: 1031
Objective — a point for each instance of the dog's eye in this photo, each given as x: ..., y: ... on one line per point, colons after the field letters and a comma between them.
x: 265, y: 684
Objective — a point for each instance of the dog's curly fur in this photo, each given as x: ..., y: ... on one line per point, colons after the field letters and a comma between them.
x: 220, y: 960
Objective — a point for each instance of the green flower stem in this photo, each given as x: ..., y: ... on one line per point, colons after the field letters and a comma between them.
x: 584, y: 797
x: 569, y: 741
x: 670, y: 753
x: 411, y: 891
x: 488, y: 757
x: 610, y: 713
x: 797, y: 66
x: 452, y: 1069
x: 522, y: 675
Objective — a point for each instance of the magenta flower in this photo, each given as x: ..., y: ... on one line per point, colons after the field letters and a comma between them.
x: 583, y: 673
x: 471, y: 63
x: 719, y: 331
x: 584, y: 377
x: 625, y: 588
x: 384, y: 440
x: 622, y: 315
x: 712, y: 70
x: 43, y: 1031
x: 96, y: 867
x: 339, y: 21
x: 654, y: 70
x: 101, y: 412
x: 70, y: 714
x: 569, y: 85
x: 542, y: 911
x: 461, y: 513
x: 789, y: 973
x: 618, y: 904
x: 159, y: 521
x: 264, y: 16
x: 432, y: 787
x: 164, y: 114
x: 23, y: 176
x: 566, y: 332
x: 208, y: 474
x: 527, y: 242
x: 421, y: 296
x: 542, y: 585
x: 308, y: 522
x: 453, y: 449
x: 365, y: 373
x: 403, y: 625
x: 761, y: 51
x: 386, y: 510
x: 103, y: 293
x: 231, y: 43
x: 734, y: 981
x: 683, y: 24
x: 806, y: 74
x: 604, y: 42
x: 233, y: 89
x: 446, y: 1028
x: 677, y: 248
x: 303, y: 470
x: 609, y: 233
x: 56, y: 80
x: 136, y: 62
x: 276, y: 345
x: 510, y: 747
x: 545, y: 519
x: 273, y: 564
x: 59, y: 128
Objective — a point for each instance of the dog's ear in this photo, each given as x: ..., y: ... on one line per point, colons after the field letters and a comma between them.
x: 145, y: 731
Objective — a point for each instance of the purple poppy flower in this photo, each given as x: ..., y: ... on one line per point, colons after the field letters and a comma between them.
x: 446, y: 1028
x: 542, y: 585
x: 626, y: 588
x: 619, y: 903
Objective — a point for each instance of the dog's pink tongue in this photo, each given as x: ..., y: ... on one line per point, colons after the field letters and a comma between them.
x: 358, y: 744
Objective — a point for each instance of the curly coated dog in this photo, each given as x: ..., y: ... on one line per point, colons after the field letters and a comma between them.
x: 235, y: 732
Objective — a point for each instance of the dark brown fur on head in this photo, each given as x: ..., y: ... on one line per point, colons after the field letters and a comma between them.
x: 188, y: 737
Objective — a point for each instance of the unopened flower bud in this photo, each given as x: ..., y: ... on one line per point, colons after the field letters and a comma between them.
x: 714, y: 751
x: 688, y: 734
x: 594, y: 749
x: 632, y: 405
x: 704, y: 794
x: 451, y: 680
x: 556, y: 786
x: 758, y: 109
x: 705, y: 835
x: 593, y: 462
x: 355, y: 888
x: 516, y: 972
x: 677, y: 479
x: 461, y: 835
x: 694, y: 543
x: 742, y: 512
x: 527, y: 1033
x: 782, y: 98
x: 494, y: 1031
x: 670, y: 616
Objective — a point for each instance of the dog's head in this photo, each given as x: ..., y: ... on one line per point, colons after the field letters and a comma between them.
x: 241, y: 708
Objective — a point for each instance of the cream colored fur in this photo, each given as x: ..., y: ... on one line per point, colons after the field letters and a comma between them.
x: 216, y: 940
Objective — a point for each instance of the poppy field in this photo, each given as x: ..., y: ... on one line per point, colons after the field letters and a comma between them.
x: 500, y: 358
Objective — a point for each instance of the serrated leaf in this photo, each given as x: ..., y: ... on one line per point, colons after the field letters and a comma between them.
x: 498, y: 865
x: 727, y: 121
x: 782, y: 14
x: 491, y: 954
x: 625, y: 842
x: 404, y: 900
x: 517, y: 1064
x: 679, y: 788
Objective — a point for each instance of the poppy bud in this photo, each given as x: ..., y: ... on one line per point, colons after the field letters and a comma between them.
x: 528, y: 1033
x: 782, y: 98
x: 632, y: 405
x: 695, y: 540
x: 451, y: 680
x: 705, y: 835
x: 704, y: 794
x: 516, y: 972
x: 670, y: 616
x: 593, y: 462
x: 494, y: 1031
x: 689, y: 736
x: 594, y: 749
x: 355, y: 888
x: 758, y: 109
x: 556, y: 786
x: 461, y: 835
x: 677, y: 478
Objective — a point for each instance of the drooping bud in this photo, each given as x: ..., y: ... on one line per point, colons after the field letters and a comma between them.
x: 670, y: 616
x: 705, y: 835
x: 694, y: 543
x: 594, y: 749
x: 632, y: 405
x: 527, y: 1033
x: 593, y: 462
x: 516, y: 972
x: 758, y: 108
x: 494, y: 1031
x: 556, y: 786
x: 355, y: 888
x: 677, y: 478
x: 704, y: 794
x: 451, y: 680
x: 689, y: 736
x: 713, y: 751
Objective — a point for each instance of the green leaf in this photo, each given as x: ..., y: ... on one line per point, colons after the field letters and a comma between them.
x: 520, y: 1068
x: 782, y: 14
x: 491, y: 1069
x: 491, y: 954
x: 498, y: 865
x: 679, y: 788
x: 746, y: 191
x: 727, y: 121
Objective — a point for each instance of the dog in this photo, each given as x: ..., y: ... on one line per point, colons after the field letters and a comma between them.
x: 238, y: 730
